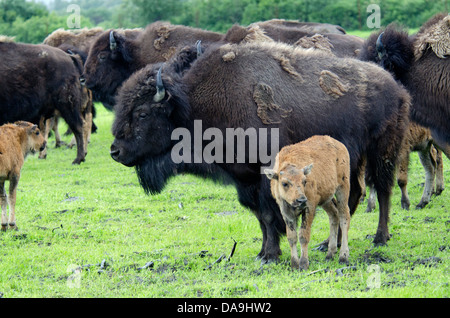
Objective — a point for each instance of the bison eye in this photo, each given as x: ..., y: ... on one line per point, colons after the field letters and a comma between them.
x: 143, y: 115
x: 102, y: 56
x: 285, y: 184
x: 37, y: 133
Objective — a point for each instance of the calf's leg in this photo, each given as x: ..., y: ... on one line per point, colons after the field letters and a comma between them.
x: 305, y: 235
x: 12, y: 201
x: 4, y: 205
x: 332, y: 212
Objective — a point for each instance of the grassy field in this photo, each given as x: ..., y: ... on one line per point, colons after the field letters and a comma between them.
x: 90, y: 231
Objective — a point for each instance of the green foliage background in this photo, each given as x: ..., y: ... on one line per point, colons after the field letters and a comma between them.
x: 32, y: 21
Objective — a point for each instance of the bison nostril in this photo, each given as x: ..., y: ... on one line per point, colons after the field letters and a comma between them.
x: 114, y: 152
x: 301, y: 201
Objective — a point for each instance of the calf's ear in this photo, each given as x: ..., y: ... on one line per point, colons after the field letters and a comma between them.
x: 271, y: 174
x: 307, y: 169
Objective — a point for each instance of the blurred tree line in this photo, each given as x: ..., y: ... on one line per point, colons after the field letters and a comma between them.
x: 32, y: 21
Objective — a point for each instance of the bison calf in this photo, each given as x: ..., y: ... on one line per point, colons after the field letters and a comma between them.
x: 307, y: 174
x: 16, y: 142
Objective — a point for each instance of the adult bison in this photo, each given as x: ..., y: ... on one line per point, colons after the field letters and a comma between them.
x: 272, y: 27
x: 422, y: 64
x: 271, y: 93
x: 115, y: 55
x: 36, y: 80
x: 341, y: 45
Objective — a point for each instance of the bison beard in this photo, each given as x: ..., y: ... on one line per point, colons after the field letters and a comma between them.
x: 153, y: 173
x: 356, y: 103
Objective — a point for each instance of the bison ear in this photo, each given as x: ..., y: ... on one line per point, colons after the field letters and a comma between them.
x: 271, y: 174
x: 307, y: 169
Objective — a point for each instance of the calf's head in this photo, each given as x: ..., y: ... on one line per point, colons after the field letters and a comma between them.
x: 107, y: 66
x: 34, y: 139
x: 291, y: 184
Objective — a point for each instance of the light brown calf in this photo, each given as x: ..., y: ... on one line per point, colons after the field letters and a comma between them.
x: 418, y: 138
x: 16, y: 142
x: 307, y: 174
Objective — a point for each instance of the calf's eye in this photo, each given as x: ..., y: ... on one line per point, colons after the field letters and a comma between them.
x: 285, y: 184
x: 142, y: 115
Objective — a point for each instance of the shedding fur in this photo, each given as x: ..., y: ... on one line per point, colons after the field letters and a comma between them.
x: 332, y: 84
x: 436, y: 37
x: 268, y: 110
x: 317, y: 41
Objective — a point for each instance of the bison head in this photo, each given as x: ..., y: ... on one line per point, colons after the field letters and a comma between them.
x: 391, y: 49
x: 108, y: 65
x: 146, y: 114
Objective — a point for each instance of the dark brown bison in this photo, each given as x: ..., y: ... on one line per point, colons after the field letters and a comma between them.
x: 341, y: 45
x: 116, y: 55
x: 272, y: 27
x: 422, y: 64
x: 264, y: 94
x: 36, y: 80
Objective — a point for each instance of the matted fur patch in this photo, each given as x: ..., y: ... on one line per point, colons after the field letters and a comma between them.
x: 317, y: 42
x: 437, y: 37
x: 332, y: 84
x: 268, y: 110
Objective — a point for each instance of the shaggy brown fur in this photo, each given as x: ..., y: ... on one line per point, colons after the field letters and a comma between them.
x: 314, y: 172
x: 107, y: 67
x: 80, y: 39
x: 16, y: 142
x: 414, y: 62
x: 370, y: 119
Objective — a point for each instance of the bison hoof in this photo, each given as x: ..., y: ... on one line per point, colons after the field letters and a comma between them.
x: 78, y: 161
x: 421, y: 205
x: 323, y: 247
x: 439, y: 190
x: 4, y: 227
x: 381, y: 238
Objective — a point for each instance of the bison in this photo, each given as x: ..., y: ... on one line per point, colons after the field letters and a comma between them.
x: 273, y: 26
x: 115, y: 55
x: 421, y: 64
x: 17, y: 141
x: 341, y: 45
x: 37, y: 80
x: 311, y: 173
x: 272, y: 93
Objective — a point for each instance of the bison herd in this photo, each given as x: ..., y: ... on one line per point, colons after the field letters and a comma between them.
x: 377, y: 100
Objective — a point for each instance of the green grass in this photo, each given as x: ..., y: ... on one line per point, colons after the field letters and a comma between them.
x: 97, y: 214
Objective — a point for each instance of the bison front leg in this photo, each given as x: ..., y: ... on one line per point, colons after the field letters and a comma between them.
x: 81, y: 154
x: 4, y: 204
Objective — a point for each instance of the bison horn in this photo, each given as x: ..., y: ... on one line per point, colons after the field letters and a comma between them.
x: 112, y: 41
x: 199, y: 48
x: 381, y: 50
x: 160, y: 90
